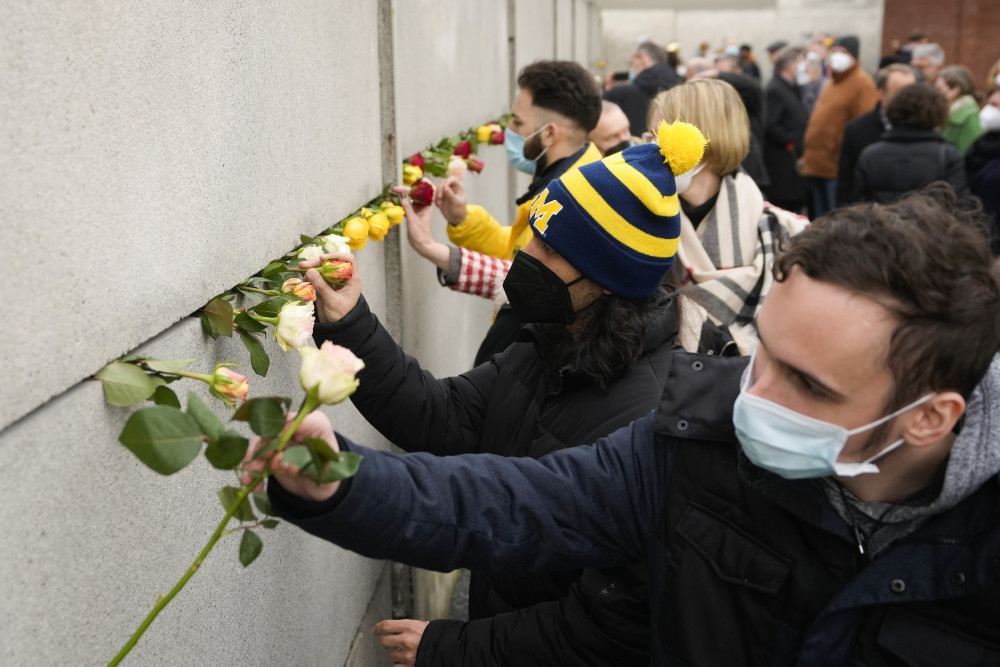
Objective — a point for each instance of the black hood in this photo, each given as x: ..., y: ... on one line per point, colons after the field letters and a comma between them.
x: 656, y: 78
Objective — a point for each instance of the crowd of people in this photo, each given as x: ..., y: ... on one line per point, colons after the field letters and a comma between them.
x: 783, y: 473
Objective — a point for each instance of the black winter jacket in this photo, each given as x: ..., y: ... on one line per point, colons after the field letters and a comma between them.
x: 859, y: 133
x: 907, y: 160
x: 786, y: 124
x: 745, y: 568
x: 634, y: 97
x: 516, y: 405
x: 982, y: 164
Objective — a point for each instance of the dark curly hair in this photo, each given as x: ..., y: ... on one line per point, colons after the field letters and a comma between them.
x: 927, y: 260
x: 565, y: 87
x: 919, y: 106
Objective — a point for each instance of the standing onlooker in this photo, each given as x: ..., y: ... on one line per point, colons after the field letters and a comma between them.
x: 611, y: 135
x: 963, y: 116
x: 869, y: 128
x: 810, y: 78
x: 928, y: 59
x: 912, y: 153
x: 651, y: 74
x: 748, y: 63
x: 849, y: 93
x: 774, y: 48
x: 982, y: 163
x: 786, y: 123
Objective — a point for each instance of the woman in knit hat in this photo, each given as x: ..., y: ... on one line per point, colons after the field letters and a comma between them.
x: 593, y: 356
x: 727, y: 231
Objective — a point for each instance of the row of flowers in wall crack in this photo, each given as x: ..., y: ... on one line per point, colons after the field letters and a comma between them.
x: 167, y: 437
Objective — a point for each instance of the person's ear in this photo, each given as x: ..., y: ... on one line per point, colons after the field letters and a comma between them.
x: 929, y: 423
x: 551, y: 135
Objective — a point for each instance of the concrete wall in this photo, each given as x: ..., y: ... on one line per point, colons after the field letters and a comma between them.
x: 750, y: 21
x: 153, y: 157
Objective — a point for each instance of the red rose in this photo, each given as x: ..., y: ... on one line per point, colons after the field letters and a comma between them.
x: 463, y: 149
x: 496, y: 138
x: 417, y: 160
x: 422, y: 193
x: 474, y: 164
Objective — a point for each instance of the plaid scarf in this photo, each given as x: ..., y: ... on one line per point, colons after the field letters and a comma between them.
x: 728, y: 259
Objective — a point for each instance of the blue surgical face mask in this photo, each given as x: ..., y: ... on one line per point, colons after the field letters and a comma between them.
x: 514, y: 143
x: 796, y: 446
x: 732, y: 50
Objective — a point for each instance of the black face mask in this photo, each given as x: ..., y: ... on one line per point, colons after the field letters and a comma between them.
x: 536, y: 293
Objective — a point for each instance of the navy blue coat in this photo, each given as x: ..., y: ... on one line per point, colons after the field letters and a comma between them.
x: 745, y: 568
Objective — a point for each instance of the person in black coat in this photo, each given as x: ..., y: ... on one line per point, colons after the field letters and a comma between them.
x: 786, y: 123
x: 913, y: 153
x: 868, y: 128
x: 982, y: 165
x: 652, y: 74
x: 592, y: 359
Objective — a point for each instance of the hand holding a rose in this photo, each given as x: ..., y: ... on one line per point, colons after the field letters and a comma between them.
x: 450, y: 199
x: 418, y: 231
x: 332, y: 304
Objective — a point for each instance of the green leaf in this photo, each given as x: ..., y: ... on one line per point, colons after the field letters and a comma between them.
x: 259, y: 360
x: 346, y: 466
x: 272, y: 306
x: 125, y: 384
x: 305, y: 239
x: 219, y: 314
x: 226, y: 452
x: 298, y: 456
x: 250, y: 547
x: 263, y: 503
x: 249, y: 324
x: 265, y: 415
x: 270, y: 523
x: 166, y: 396
x: 168, y: 365
x: 322, y: 449
x: 209, y: 423
x: 276, y: 266
x: 227, y: 496
x: 162, y: 437
x: 206, y: 324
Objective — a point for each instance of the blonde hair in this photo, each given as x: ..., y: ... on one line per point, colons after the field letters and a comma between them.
x: 715, y: 108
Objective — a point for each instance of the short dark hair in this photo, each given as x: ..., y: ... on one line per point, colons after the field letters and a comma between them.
x: 882, y: 76
x: 926, y: 258
x: 656, y: 53
x: 565, y: 87
x: 919, y: 106
x: 959, y: 77
x: 787, y: 56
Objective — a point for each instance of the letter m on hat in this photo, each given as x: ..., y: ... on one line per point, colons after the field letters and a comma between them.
x: 542, y: 210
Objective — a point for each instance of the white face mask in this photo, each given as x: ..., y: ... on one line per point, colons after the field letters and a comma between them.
x: 989, y: 118
x: 802, y: 75
x: 683, y: 182
x: 840, y: 61
x: 795, y: 446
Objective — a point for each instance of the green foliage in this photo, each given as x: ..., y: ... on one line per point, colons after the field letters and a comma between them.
x: 228, y: 496
x: 165, y: 396
x: 209, y: 423
x: 227, y: 451
x: 125, y: 384
x: 266, y: 415
x: 259, y: 360
x: 250, y: 547
x: 163, y: 437
x: 217, y: 317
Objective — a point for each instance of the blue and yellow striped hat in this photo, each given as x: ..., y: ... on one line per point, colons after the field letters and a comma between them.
x: 617, y: 221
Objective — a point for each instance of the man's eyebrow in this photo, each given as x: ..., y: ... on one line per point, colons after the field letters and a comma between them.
x: 821, y: 386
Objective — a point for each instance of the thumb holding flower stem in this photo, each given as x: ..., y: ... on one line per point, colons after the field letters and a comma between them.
x: 333, y: 304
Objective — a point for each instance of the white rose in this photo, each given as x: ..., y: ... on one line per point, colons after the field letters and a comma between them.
x: 334, y: 243
x: 457, y: 167
x: 331, y: 369
x: 310, y: 252
x: 295, y: 325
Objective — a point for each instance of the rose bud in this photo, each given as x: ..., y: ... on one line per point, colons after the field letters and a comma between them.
x: 417, y: 160
x: 378, y: 225
x: 457, y: 167
x: 299, y: 288
x: 422, y: 193
x: 356, y: 231
x: 474, y: 165
x: 463, y: 149
x: 483, y: 133
x: 412, y: 174
x: 336, y: 272
x: 496, y: 133
x: 228, y: 385
x: 295, y: 325
x: 395, y: 215
x: 330, y: 370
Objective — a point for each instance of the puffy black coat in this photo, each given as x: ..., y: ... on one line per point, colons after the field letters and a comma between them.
x: 634, y: 97
x: 517, y: 405
x: 982, y: 164
x: 786, y: 124
x: 750, y: 92
x: 859, y: 133
x: 905, y: 160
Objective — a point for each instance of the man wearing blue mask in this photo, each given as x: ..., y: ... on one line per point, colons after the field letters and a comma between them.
x: 835, y: 502
x: 557, y: 105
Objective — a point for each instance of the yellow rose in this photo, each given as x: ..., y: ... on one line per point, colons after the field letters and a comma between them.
x: 412, y: 174
x: 356, y: 231
x: 483, y: 133
x: 378, y: 225
x: 395, y: 215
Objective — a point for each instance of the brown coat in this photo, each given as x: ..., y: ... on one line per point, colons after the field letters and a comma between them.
x: 844, y: 97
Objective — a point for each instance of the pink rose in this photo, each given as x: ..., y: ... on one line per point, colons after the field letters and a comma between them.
x: 336, y: 272
x: 330, y: 371
x: 463, y: 149
x: 228, y: 385
x: 474, y: 165
x: 457, y: 167
x: 299, y: 288
x: 295, y: 325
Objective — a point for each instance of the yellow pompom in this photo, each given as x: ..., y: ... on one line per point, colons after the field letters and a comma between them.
x: 682, y: 145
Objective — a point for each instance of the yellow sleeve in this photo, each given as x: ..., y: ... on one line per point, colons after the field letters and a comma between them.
x: 481, y: 232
